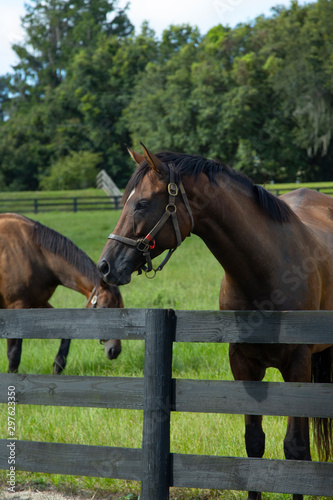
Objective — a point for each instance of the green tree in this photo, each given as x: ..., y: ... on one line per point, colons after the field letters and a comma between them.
x: 97, y: 88
x: 160, y: 112
x: 258, y: 96
x: 57, y: 29
x: 77, y: 170
x: 45, y: 118
x: 300, y: 68
x: 4, y: 96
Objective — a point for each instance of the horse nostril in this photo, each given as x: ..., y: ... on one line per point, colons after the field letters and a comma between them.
x: 113, y: 353
x: 103, y: 267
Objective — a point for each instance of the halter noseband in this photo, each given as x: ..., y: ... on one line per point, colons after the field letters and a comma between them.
x: 146, y: 244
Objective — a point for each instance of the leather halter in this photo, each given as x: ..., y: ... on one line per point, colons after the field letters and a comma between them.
x: 93, y: 298
x: 146, y: 244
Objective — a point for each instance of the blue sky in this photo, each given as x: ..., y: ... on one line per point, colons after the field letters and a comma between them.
x: 202, y: 13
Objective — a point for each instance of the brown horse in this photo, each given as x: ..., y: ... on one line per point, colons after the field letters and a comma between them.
x: 34, y: 260
x: 277, y: 253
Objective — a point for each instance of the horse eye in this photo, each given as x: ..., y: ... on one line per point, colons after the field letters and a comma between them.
x: 142, y: 205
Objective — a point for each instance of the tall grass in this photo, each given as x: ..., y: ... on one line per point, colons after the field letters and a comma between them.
x: 191, y: 280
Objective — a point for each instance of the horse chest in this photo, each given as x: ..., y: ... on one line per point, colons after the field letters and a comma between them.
x: 259, y: 357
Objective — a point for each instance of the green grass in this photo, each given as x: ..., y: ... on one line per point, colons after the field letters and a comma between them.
x: 191, y: 280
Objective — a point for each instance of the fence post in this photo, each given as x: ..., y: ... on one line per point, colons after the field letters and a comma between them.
x: 160, y: 333
x: 74, y: 204
x: 35, y: 205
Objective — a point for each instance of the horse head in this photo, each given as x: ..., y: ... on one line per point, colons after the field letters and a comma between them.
x: 156, y: 217
x: 105, y: 295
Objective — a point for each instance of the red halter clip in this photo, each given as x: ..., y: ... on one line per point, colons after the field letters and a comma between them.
x: 151, y: 240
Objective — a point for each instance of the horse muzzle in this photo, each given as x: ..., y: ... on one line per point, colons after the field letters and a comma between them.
x: 112, y: 275
x: 112, y: 348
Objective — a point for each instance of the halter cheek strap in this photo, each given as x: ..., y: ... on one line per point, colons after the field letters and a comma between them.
x: 93, y: 297
x: 146, y: 244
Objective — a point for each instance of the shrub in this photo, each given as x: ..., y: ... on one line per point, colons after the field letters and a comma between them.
x: 77, y: 170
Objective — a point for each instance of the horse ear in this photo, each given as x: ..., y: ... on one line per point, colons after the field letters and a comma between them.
x: 152, y: 160
x: 136, y: 156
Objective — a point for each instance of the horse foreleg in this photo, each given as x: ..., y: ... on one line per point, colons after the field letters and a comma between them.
x: 255, y: 443
x: 61, y: 358
x: 14, y: 350
x: 297, y: 440
x: 244, y: 368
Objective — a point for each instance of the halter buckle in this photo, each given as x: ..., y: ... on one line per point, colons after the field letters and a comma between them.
x: 172, y: 189
x: 142, y: 245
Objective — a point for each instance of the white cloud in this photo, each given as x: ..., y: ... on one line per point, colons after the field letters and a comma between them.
x: 202, y: 13
x: 161, y: 14
x: 10, y: 32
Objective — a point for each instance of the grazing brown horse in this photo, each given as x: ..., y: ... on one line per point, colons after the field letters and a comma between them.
x: 277, y: 253
x: 34, y: 260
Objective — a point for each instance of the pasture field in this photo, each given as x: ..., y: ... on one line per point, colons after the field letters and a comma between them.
x: 191, y: 280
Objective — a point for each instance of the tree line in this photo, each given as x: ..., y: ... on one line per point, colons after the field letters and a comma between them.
x: 258, y: 96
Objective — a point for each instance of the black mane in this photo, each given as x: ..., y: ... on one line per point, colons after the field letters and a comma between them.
x: 194, y: 165
x: 59, y: 245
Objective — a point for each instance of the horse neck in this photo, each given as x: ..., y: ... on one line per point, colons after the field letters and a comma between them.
x: 236, y: 230
x: 70, y: 276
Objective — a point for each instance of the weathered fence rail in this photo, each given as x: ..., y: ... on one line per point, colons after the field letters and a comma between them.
x: 157, y: 394
x: 279, y: 191
x: 86, y: 203
x: 61, y: 204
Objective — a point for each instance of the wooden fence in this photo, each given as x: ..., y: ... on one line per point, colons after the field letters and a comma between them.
x: 61, y: 204
x: 279, y: 191
x: 157, y: 394
x: 104, y: 181
x: 85, y: 203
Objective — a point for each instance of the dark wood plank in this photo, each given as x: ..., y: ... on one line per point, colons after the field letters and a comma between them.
x: 160, y: 331
x: 229, y: 473
x: 287, y: 327
x: 208, y: 396
x: 253, y: 398
x: 254, y: 474
x: 72, y: 323
x: 290, y: 327
x: 53, y: 390
x: 73, y: 459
